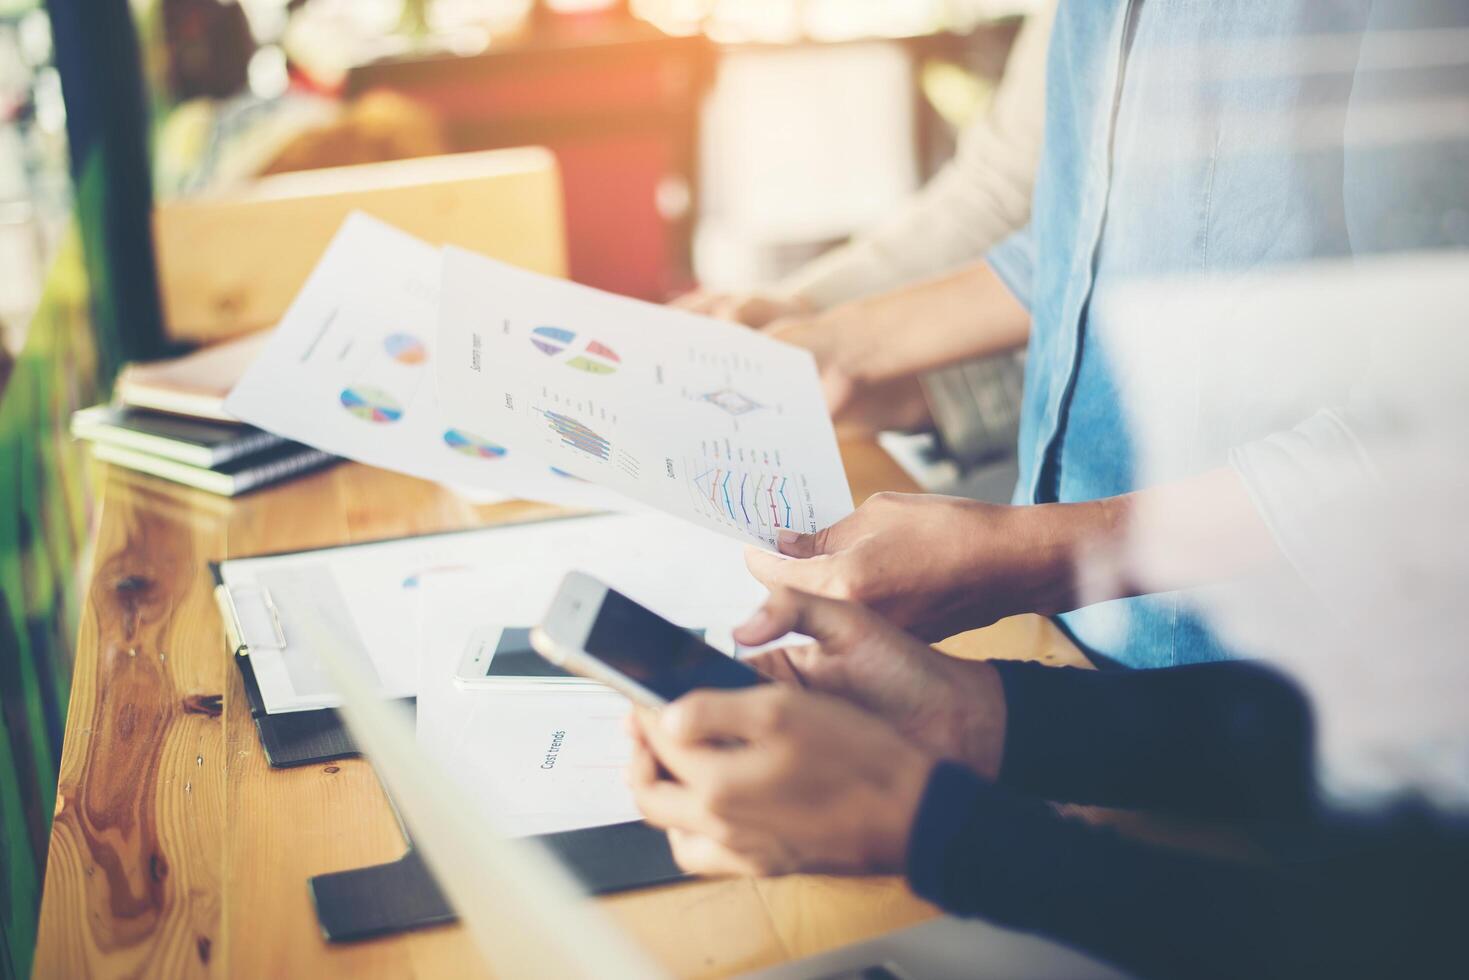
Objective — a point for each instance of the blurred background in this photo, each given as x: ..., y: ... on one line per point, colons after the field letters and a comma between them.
x: 722, y: 142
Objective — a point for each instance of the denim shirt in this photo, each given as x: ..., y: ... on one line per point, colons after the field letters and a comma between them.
x: 1176, y: 144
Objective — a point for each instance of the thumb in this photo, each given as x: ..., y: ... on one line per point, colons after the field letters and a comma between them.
x: 696, y: 301
x: 789, y: 611
x: 796, y: 545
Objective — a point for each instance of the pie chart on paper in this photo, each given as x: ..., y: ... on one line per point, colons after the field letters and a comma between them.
x: 371, y: 404
x: 472, y: 445
x: 591, y: 356
x: 405, y: 348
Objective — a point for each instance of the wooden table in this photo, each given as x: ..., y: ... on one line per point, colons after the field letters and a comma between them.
x: 177, y: 851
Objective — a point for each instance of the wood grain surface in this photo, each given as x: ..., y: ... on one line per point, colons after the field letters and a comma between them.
x: 177, y: 852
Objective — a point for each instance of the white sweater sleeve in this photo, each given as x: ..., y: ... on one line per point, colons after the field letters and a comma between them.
x: 975, y: 201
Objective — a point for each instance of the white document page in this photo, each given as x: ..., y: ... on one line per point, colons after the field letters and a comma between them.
x: 544, y: 762
x: 368, y: 595
x: 698, y: 418
x: 350, y: 370
x: 532, y: 762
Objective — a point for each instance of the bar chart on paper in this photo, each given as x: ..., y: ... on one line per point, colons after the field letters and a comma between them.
x: 582, y: 430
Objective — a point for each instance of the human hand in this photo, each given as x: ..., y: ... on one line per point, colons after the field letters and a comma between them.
x: 751, y: 309
x: 773, y: 780
x: 936, y: 565
x: 950, y: 707
x: 858, y: 407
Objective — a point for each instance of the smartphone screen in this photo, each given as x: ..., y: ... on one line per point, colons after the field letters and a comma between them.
x: 664, y: 658
x: 513, y: 656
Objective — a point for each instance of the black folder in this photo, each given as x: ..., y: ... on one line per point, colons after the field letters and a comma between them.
x: 402, y: 895
x: 295, y: 738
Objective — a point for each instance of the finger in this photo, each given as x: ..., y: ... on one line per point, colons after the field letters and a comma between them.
x: 719, y: 717
x: 672, y: 807
x: 791, y: 611
x: 793, y: 544
x: 756, y: 311
x: 672, y: 760
x: 696, y: 301
x: 789, y: 327
x: 700, y: 855
x: 839, y: 389
x: 675, y: 760
x: 772, y: 571
x: 775, y: 665
x: 642, y: 766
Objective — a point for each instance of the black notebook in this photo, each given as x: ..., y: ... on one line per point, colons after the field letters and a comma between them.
x: 280, y: 462
x: 195, y: 442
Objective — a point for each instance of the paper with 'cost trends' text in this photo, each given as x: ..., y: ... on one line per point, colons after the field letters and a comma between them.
x: 702, y: 419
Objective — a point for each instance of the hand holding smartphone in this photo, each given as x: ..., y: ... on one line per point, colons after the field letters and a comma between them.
x: 598, y: 633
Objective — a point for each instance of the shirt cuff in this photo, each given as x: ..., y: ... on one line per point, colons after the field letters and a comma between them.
x: 946, y: 807
x: 1014, y: 262
x: 974, y: 846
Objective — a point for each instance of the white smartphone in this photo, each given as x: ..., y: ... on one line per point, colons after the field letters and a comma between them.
x: 600, y: 634
x: 501, y: 658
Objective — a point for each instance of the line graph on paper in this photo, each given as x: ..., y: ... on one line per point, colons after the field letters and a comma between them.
x: 756, y: 499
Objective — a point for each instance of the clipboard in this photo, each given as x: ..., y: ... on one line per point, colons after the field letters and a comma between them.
x: 295, y: 738
x: 300, y: 738
x: 403, y: 895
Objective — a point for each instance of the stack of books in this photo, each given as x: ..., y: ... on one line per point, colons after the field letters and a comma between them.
x: 168, y: 420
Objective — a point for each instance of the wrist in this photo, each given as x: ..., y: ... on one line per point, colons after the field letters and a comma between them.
x: 945, y: 810
x: 977, y: 716
x: 898, y: 810
x: 1070, y: 553
x: 857, y: 341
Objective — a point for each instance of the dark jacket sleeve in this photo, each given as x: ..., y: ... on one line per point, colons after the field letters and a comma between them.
x: 1218, y: 740
x: 1376, y: 896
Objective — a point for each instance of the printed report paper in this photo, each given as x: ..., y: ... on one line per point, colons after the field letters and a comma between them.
x: 350, y: 370
x: 702, y: 419
x: 368, y: 596
x: 553, y: 760
x: 536, y: 761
